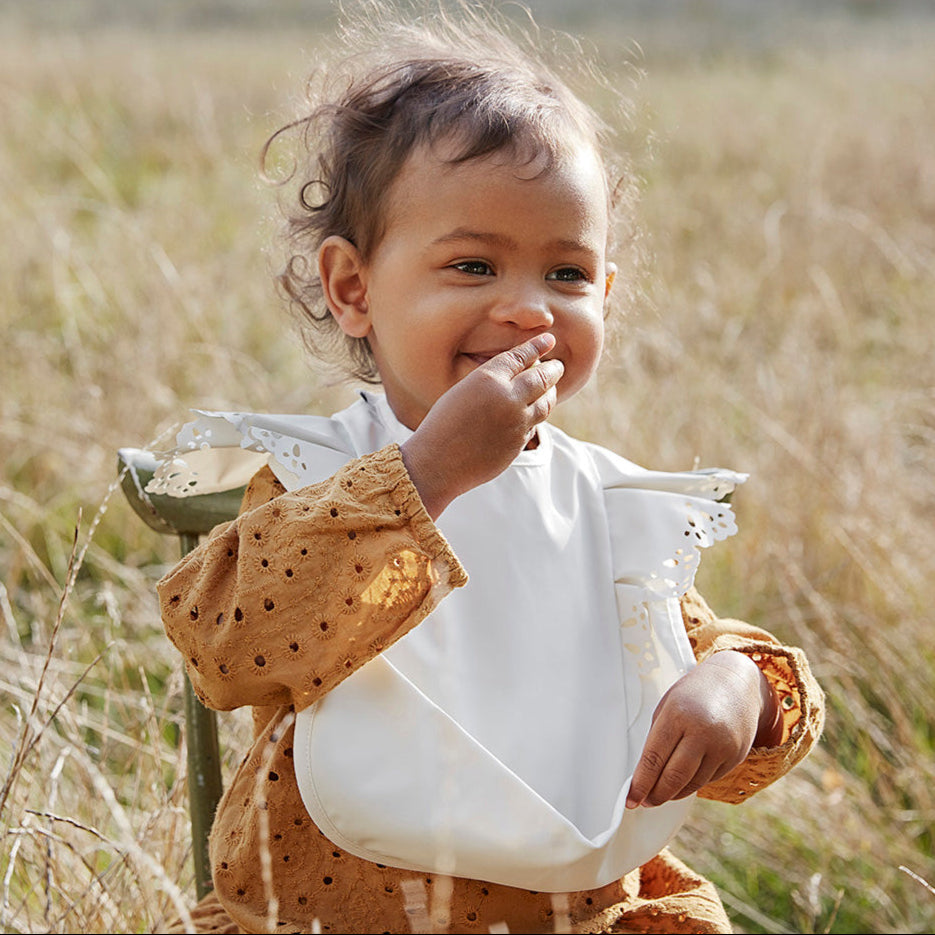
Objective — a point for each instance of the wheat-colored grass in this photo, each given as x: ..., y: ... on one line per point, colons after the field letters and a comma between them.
x: 789, y: 205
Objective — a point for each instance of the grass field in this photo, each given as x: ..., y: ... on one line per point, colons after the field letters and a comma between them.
x: 787, y: 166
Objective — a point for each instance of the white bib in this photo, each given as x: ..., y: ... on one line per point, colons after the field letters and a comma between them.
x: 497, y: 739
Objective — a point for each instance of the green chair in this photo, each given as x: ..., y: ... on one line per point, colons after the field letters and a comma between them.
x: 188, y: 518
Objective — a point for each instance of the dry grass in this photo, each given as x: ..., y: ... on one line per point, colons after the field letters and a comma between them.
x: 789, y: 199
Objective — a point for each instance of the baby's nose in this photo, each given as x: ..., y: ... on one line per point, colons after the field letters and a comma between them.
x: 525, y: 310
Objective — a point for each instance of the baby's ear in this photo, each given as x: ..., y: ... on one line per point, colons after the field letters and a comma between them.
x: 342, y: 274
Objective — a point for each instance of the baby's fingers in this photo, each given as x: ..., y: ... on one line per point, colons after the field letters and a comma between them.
x: 532, y: 380
x: 660, y: 778
x: 520, y: 358
x: 647, y: 772
x: 538, y: 382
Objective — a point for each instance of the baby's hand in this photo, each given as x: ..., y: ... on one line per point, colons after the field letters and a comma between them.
x: 703, y: 727
x: 476, y: 429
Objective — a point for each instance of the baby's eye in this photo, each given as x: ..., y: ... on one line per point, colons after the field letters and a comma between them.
x: 567, y: 274
x: 474, y: 267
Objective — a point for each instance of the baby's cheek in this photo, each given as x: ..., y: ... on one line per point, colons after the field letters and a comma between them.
x: 580, y: 365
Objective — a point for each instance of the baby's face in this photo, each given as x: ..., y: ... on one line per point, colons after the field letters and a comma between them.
x: 477, y: 258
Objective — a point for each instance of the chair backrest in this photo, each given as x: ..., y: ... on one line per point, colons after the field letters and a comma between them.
x: 188, y: 518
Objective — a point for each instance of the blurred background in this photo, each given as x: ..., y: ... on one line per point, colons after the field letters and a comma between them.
x: 781, y: 325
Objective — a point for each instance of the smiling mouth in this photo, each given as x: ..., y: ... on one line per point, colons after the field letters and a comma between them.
x: 481, y: 357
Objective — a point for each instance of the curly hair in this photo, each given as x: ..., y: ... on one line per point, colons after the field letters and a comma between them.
x: 400, y: 86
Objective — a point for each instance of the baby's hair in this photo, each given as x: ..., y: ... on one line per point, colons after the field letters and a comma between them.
x: 402, y: 84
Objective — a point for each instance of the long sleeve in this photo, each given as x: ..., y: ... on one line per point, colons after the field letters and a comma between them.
x: 281, y: 604
x: 786, y: 668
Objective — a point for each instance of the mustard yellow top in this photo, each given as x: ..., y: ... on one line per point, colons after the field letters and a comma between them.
x: 267, y: 612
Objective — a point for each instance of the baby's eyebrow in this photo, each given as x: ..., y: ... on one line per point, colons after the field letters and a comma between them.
x: 485, y: 237
x: 575, y: 246
x: 493, y: 239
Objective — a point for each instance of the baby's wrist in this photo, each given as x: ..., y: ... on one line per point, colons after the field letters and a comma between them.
x: 769, y: 724
x: 433, y: 487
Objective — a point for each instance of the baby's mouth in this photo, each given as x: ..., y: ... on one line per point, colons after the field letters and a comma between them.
x: 479, y: 357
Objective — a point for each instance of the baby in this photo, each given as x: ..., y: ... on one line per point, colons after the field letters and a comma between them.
x: 485, y: 690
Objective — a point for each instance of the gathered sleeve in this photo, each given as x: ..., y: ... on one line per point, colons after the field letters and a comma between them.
x: 304, y: 587
x: 801, y: 699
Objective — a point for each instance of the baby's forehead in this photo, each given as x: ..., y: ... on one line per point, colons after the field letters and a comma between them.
x: 442, y: 162
x: 522, y: 198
